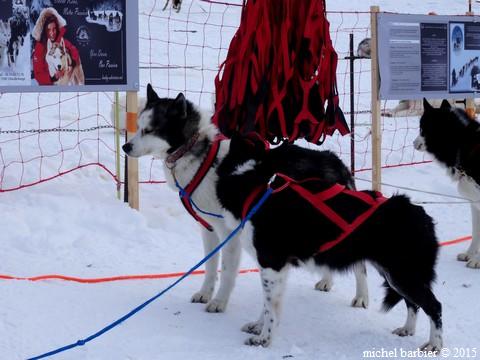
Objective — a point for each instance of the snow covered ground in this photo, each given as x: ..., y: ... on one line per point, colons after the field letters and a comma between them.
x: 74, y: 226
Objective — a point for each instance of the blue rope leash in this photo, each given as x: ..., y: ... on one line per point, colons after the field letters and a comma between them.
x: 140, y: 307
x: 182, y: 193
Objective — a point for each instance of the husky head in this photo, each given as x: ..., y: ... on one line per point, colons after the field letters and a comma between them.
x: 364, y: 48
x: 164, y: 125
x: 56, y: 57
x: 5, y: 33
x: 441, y: 131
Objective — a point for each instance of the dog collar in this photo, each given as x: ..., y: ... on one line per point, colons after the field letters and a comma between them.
x: 171, y: 159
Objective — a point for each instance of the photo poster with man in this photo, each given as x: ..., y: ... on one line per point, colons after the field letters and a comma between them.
x: 78, y: 45
x: 14, y: 42
x: 428, y: 56
x: 464, y: 55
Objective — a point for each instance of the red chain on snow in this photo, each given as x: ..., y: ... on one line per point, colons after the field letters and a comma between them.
x: 279, y: 77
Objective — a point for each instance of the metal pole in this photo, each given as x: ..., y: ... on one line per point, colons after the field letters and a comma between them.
x: 117, y: 146
x: 376, y: 117
x: 125, y: 185
x: 352, y: 107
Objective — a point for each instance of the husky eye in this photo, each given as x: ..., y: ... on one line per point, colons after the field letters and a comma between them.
x: 146, y: 132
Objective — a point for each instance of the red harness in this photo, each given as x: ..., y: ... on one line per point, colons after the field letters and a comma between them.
x: 187, y: 191
x: 318, y: 200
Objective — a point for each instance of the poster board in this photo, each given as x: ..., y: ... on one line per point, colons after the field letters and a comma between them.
x: 428, y: 56
x: 68, y: 45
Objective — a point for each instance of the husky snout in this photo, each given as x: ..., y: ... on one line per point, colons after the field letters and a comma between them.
x: 419, y: 143
x: 131, y: 150
x: 127, y: 148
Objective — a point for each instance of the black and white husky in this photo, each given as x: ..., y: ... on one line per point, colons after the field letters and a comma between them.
x: 398, y: 238
x: 165, y: 129
x: 454, y: 140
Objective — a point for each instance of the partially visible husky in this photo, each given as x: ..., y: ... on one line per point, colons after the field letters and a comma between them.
x: 454, y: 140
x: 176, y: 4
x: 364, y: 48
x: 301, y: 224
x: 5, y: 35
x: 166, y: 128
x: 411, y: 108
x: 58, y: 59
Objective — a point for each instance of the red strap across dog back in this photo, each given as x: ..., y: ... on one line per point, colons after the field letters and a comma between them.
x: 186, y: 193
x: 318, y: 201
x: 279, y: 77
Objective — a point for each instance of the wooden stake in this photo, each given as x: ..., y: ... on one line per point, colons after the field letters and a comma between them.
x: 376, y: 115
x: 132, y: 108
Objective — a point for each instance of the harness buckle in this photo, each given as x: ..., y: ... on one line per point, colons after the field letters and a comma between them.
x: 272, y: 179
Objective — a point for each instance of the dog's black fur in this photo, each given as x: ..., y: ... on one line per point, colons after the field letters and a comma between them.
x: 399, y: 238
x: 166, y: 126
x: 452, y: 138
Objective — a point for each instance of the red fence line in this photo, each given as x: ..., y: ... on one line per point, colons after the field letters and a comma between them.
x: 153, y: 276
x: 61, y: 174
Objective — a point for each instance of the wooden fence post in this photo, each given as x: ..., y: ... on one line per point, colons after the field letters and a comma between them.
x: 132, y: 109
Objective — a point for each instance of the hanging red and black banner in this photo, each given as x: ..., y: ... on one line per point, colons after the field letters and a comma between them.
x: 279, y: 77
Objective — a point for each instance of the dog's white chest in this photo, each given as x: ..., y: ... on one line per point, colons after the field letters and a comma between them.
x: 470, y: 189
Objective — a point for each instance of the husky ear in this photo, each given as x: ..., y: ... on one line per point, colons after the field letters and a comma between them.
x: 151, y: 94
x: 49, y: 45
x: 445, y: 105
x: 426, y: 105
x: 179, y: 106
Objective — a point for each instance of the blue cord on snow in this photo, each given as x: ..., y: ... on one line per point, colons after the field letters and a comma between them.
x: 140, y: 307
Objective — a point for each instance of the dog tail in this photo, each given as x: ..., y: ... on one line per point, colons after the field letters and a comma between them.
x: 391, y: 299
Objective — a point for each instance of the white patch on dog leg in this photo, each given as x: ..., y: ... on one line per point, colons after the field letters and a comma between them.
x: 230, y: 264
x: 361, y: 296
x: 409, y: 328
x: 273, y: 284
x: 474, y: 249
x: 210, y: 241
x: 472, y: 255
x: 325, y: 284
x: 436, y: 339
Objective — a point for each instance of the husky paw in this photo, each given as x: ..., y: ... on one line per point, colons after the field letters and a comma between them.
x: 323, y: 285
x: 201, y: 297
x: 258, y: 341
x: 431, y: 347
x: 474, y: 262
x: 360, y: 301
x: 403, y: 331
x: 464, y: 257
x: 253, y: 327
x: 216, y: 306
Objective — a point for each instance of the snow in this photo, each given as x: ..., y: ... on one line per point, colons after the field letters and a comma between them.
x: 75, y: 226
